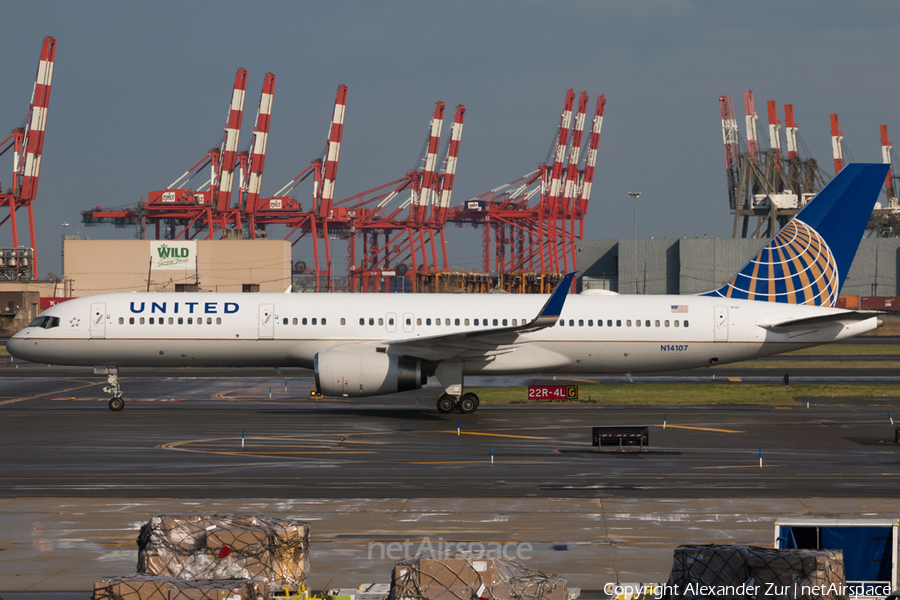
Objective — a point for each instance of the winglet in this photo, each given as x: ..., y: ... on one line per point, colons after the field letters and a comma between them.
x: 553, y: 307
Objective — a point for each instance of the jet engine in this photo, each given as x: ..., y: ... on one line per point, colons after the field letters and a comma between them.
x: 354, y: 374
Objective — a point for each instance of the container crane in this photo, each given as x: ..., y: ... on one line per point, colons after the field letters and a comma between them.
x: 27, y: 144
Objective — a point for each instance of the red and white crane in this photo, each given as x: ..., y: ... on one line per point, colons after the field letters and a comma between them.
x: 224, y: 174
x: 886, y: 157
x: 731, y: 139
x: 332, y: 153
x: 252, y: 174
x: 750, y: 122
x: 791, y: 131
x: 774, y: 131
x: 27, y: 144
x: 424, y: 198
x: 837, y: 144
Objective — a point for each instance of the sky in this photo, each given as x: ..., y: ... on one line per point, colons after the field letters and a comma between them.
x: 140, y: 93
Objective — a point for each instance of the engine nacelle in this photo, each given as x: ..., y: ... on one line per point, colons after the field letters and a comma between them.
x: 354, y: 374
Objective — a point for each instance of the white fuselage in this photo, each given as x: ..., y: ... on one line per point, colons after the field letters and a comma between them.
x: 595, y: 334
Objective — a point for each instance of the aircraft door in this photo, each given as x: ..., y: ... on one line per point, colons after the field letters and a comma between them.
x: 391, y: 322
x: 408, y: 320
x: 721, y: 324
x: 266, y: 321
x: 98, y: 320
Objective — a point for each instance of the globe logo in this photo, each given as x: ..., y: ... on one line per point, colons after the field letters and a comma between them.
x: 797, y: 267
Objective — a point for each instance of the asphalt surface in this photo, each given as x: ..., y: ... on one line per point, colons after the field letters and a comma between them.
x: 263, y: 437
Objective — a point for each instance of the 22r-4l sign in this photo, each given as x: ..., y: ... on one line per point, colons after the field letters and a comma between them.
x: 553, y: 392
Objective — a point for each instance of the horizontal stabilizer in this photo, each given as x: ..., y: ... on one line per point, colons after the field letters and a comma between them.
x: 830, y: 319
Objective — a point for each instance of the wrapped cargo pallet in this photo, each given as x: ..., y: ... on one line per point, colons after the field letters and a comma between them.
x: 737, y: 572
x: 210, y: 546
x: 151, y: 587
x: 464, y: 578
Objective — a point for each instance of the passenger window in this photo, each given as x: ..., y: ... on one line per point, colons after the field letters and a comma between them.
x: 408, y: 321
x: 313, y: 320
x: 456, y: 322
x: 637, y: 323
x: 209, y: 320
x: 685, y: 322
x: 514, y: 322
x: 343, y: 321
x: 466, y: 322
x: 618, y: 322
x: 676, y: 322
x: 323, y: 320
x: 380, y: 320
x: 304, y: 321
x: 581, y: 322
x: 171, y: 320
x: 218, y: 320
x: 371, y: 321
x: 428, y: 321
x: 571, y: 322
x: 657, y: 323
x: 362, y: 321
x: 419, y: 321
x: 161, y: 321
x: 181, y: 320
x: 666, y: 322
x: 609, y: 323
x: 391, y: 321
x: 562, y: 322
x: 190, y: 320
x: 628, y: 323
x: 495, y: 322
x: 504, y: 322
x: 476, y: 322
x: 295, y: 320
x: 590, y: 322
x: 131, y: 320
x: 151, y: 320
x: 121, y: 320
x: 142, y: 320
x: 438, y: 322
x: 647, y: 323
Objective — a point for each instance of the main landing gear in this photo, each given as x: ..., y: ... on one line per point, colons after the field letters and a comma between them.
x: 112, y: 387
x: 466, y: 404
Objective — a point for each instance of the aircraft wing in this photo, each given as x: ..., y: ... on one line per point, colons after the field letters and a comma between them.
x: 484, y: 343
x: 820, y: 320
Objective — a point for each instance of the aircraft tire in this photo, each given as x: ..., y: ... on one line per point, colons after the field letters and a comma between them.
x: 116, y: 403
x: 468, y: 404
x: 446, y: 404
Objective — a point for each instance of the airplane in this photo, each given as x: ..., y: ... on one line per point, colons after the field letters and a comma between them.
x: 370, y: 344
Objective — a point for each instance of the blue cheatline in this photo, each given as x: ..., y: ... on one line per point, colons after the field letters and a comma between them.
x: 807, y: 262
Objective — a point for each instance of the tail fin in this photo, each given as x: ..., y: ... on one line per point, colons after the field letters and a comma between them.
x: 807, y: 262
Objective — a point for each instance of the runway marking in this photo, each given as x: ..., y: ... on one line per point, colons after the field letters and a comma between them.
x: 73, y: 399
x: 734, y: 379
x: 473, y: 462
x: 782, y: 407
x: 14, y: 400
x: 703, y: 428
x: 740, y: 467
x: 505, y: 435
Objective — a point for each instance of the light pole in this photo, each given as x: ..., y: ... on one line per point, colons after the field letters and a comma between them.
x: 63, y: 250
x: 634, y: 197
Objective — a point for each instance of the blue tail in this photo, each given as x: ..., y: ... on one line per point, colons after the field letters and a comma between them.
x: 807, y: 262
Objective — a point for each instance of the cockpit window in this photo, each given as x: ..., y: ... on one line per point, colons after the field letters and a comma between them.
x: 45, y: 322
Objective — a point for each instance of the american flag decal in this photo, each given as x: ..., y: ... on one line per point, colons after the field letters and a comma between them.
x: 679, y: 308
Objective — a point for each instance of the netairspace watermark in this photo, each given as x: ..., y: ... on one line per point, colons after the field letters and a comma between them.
x: 747, y: 590
x: 441, y: 547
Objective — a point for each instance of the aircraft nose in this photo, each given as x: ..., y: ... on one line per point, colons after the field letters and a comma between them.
x: 15, y: 345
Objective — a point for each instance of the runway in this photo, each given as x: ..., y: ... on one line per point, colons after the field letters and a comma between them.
x: 262, y: 437
x: 76, y: 480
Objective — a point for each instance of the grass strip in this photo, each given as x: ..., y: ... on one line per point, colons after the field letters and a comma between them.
x: 698, y: 394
